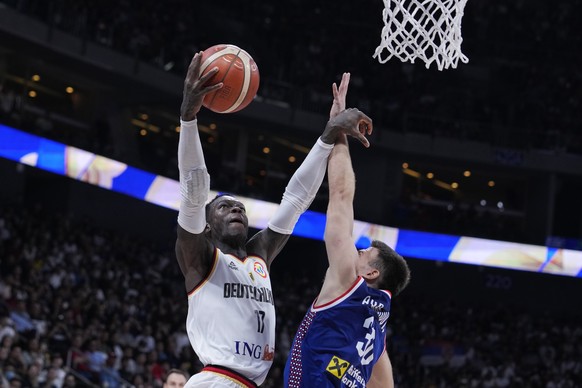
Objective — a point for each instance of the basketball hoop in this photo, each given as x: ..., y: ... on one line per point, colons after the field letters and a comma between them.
x: 425, y: 29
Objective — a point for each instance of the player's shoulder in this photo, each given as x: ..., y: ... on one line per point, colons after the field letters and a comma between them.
x: 266, y: 244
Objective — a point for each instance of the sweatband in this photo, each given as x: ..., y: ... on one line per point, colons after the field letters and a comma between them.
x: 301, y: 189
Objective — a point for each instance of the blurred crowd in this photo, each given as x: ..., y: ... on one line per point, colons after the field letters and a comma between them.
x: 513, y: 47
x: 82, y: 306
x: 105, y: 307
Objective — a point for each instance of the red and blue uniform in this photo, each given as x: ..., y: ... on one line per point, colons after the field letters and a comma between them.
x: 338, y: 343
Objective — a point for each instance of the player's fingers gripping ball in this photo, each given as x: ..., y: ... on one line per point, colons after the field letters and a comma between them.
x: 237, y: 71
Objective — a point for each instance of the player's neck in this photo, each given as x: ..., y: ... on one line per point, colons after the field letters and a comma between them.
x: 231, y: 249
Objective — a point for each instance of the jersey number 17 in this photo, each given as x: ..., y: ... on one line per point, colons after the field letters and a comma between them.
x: 260, y: 320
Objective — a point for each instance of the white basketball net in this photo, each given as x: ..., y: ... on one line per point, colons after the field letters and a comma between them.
x: 425, y: 29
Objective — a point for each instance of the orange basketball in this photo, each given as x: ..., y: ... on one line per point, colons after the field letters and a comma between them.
x: 239, y: 73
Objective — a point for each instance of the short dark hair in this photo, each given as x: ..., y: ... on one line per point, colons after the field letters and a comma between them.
x: 209, y: 204
x: 394, y: 271
x: 178, y: 371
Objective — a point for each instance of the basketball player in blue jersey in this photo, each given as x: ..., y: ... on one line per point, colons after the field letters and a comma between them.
x: 341, y: 341
x: 231, y: 314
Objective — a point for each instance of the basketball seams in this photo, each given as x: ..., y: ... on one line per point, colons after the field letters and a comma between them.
x: 226, y: 50
x: 217, y: 55
x: 245, y: 58
x: 239, y: 81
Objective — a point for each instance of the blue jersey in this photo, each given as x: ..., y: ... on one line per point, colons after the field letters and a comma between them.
x: 338, y: 343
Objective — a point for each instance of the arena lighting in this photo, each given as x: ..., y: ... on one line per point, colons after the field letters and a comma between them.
x: 442, y: 185
x: 113, y: 175
x: 144, y: 125
x: 411, y: 173
x: 430, y: 176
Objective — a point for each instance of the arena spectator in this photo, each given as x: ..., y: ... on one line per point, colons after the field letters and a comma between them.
x: 440, y: 344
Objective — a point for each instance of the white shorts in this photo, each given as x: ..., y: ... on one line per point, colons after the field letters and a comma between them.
x: 216, y: 379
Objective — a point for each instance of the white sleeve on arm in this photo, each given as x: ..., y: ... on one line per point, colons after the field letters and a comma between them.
x: 194, y: 179
x: 301, y: 189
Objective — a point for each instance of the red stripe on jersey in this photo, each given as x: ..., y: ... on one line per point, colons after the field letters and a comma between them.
x: 347, y: 292
x: 230, y: 374
x: 203, y: 281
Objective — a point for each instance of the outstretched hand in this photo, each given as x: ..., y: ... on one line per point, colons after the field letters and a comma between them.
x: 351, y: 122
x: 195, y: 88
x: 339, y: 96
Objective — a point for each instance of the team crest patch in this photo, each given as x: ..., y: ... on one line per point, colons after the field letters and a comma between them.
x: 337, y: 367
x: 260, y: 270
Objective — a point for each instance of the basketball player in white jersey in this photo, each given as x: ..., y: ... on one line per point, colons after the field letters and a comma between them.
x: 231, y: 314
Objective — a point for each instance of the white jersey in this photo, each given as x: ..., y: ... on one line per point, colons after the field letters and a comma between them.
x: 231, y: 316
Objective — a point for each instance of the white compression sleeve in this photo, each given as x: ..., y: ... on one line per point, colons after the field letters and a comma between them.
x: 301, y: 189
x: 194, y: 179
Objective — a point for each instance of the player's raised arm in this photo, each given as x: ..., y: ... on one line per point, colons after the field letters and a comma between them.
x: 193, y: 251
x: 303, y: 186
x: 339, y: 242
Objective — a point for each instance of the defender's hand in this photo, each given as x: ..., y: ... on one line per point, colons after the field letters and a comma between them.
x: 339, y: 96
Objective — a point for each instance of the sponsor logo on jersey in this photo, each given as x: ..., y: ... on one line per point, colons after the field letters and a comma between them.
x: 353, y: 378
x: 247, y: 291
x: 232, y: 265
x: 260, y: 270
x: 268, y: 355
x: 257, y: 352
x: 337, y: 367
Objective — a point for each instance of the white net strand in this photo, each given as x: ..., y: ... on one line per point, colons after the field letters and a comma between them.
x: 427, y: 29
